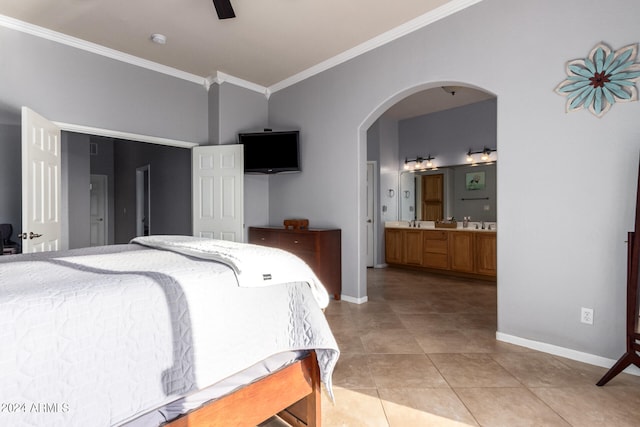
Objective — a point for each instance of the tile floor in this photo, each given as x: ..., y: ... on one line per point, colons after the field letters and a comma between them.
x: 422, y: 352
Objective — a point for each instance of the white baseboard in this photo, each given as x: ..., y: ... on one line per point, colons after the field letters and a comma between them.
x: 564, y: 352
x: 353, y: 300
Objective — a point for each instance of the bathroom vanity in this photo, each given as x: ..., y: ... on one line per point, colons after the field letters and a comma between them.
x: 467, y: 252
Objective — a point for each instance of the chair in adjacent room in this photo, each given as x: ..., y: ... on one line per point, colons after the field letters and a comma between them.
x: 7, y: 245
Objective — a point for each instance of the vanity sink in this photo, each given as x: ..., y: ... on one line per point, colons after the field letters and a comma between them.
x: 430, y: 225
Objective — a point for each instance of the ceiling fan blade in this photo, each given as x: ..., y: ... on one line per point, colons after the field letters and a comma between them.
x: 224, y: 9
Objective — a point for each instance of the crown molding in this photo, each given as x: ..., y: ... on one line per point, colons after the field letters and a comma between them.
x: 220, y: 77
x: 77, y: 43
x: 415, y: 24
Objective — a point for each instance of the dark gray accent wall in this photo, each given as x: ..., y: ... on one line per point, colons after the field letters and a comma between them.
x: 170, y: 177
x: 102, y: 163
x: 76, y: 148
x: 10, y: 177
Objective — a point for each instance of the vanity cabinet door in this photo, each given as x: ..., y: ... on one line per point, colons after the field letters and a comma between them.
x: 486, y: 254
x: 461, y: 249
x: 393, y: 244
x: 436, y: 249
x: 413, y: 247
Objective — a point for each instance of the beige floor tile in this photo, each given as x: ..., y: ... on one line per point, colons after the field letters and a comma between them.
x: 542, y: 370
x: 354, y: 408
x: 446, y: 341
x: 376, y: 321
x: 352, y: 371
x: 594, y: 406
x: 472, y: 370
x: 424, y: 407
x: 398, y: 341
x: 485, y: 342
x: 508, y: 407
x: 404, y: 370
x: 427, y: 322
x: 348, y: 340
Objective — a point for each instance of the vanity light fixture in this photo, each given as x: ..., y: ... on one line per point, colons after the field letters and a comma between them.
x: 419, y: 163
x: 485, y: 154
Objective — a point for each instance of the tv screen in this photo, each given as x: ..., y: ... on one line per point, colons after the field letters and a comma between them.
x: 270, y: 152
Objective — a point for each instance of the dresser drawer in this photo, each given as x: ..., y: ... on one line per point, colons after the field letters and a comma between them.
x: 260, y: 236
x: 297, y: 242
x: 319, y: 248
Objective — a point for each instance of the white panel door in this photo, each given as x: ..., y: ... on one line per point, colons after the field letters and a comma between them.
x: 371, y: 190
x: 41, y: 186
x: 218, y: 192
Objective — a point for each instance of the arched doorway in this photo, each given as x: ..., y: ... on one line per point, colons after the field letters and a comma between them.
x: 435, y: 99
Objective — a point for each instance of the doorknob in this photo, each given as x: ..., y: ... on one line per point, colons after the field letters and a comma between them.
x: 33, y: 235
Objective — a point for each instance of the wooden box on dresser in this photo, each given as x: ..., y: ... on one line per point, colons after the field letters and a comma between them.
x: 320, y: 248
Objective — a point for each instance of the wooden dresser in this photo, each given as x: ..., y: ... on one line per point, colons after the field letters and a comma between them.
x: 320, y: 248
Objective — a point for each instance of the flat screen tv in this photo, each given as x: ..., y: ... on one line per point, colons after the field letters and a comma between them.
x: 271, y: 152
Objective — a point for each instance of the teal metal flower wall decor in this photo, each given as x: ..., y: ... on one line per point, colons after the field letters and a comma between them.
x: 602, y: 79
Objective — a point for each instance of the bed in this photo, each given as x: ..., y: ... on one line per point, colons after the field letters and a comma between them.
x: 166, y: 329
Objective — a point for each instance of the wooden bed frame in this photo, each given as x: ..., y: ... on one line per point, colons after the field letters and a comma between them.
x: 292, y: 393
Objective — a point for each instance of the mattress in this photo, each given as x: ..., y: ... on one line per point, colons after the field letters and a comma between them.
x: 100, y: 336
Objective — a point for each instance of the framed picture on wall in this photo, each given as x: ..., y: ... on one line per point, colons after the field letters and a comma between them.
x: 475, y: 181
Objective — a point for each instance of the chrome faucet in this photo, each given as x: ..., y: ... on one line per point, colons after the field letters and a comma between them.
x: 483, y: 225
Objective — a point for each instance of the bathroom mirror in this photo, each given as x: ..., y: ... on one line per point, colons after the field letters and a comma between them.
x: 454, y: 191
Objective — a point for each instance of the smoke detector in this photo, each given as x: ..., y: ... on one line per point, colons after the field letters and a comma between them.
x: 159, y: 38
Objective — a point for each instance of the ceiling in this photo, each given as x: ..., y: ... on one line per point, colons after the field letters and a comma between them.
x: 268, y: 43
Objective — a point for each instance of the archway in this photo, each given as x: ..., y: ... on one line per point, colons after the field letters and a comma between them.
x: 441, y: 88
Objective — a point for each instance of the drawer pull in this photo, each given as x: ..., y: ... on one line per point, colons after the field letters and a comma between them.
x: 296, y: 242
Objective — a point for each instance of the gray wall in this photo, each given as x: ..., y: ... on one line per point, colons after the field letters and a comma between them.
x: 448, y: 135
x: 549, y: 266
x: 234, y: 109
x: 170, y: 188
x: 73, y: 86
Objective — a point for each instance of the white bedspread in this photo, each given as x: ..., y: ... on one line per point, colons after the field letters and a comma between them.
x: 94, y: 337
x: 254, y: 265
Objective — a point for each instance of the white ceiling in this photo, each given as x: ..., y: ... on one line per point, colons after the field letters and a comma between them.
x: 268, y: 43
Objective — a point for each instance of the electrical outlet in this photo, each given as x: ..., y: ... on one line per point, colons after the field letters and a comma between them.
x: 586, y: 316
